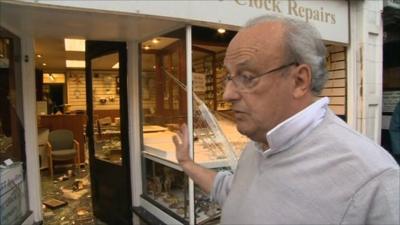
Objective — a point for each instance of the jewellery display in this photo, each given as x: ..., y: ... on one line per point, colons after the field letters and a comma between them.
x: 169, y: 188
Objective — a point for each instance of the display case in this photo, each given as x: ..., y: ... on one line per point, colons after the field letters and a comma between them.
x: 167, y: 192
x: 166, y: 186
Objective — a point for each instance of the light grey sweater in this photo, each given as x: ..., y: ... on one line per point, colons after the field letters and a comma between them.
x: 334, y: 175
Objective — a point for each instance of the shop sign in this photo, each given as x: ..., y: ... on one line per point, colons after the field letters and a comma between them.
x: 330, y: 17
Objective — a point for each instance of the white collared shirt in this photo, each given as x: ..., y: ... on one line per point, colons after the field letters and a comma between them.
x: 294, y: 128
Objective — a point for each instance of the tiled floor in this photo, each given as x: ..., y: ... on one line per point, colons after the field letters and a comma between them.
x: 77, y: 211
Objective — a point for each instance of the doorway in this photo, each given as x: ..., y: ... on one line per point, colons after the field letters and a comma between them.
x: 55, y: 97
x: 99, y: 191
x: 66, y: 193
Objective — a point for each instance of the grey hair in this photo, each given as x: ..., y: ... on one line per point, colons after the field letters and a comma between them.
x: 304, y: 45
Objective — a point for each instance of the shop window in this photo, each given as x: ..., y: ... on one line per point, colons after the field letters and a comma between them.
x: 13, y: 189
x: 11, y: 127
x: 164, y: 107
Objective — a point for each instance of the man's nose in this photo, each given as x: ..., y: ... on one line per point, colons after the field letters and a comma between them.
x: 230, y: 92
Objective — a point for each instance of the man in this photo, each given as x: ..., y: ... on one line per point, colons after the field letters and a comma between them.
x: 304, y: 165
x: 394, y: 131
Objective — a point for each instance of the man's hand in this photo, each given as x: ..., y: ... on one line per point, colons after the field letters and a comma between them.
x: 200, y: 175
x: 182, y: 148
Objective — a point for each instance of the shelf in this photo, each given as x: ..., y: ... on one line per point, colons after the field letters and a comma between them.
x: 179, y: 195
x: 156, y: 211
x: 161, y: 160
x: 158, y: 146
x: 171, y: 161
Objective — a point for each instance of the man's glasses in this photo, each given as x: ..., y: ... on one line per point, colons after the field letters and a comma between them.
x: 244, y: 82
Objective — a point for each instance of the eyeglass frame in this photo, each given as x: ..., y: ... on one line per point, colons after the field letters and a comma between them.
x: 243, y: 86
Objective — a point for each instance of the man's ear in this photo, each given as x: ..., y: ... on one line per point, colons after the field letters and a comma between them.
x: 302, y: 80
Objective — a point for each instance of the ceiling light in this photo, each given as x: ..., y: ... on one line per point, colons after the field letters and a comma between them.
x: 155, y: 40
x: 53, y: 78
x: 77, y: 45
x: 44, y: 64
x: 116, y: 66
x: 146, y: 47
x: 75, y: 63
x: 39, y: 55
x: 221, y: 30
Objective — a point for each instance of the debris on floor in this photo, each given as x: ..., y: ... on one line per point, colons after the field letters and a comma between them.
x: 71, y: 194
x: 53, y: 203
x: 63, y: 178
x: 73, y: 189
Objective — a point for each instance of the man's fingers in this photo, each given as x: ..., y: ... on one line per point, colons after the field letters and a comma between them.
x: 183, y: 126
x: 175, y: 140
x: 179, y: 133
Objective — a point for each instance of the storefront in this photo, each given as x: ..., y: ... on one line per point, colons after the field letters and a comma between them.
x: 170, y: 63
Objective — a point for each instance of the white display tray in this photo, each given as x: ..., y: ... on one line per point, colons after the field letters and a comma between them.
x: 161, y: 146
x: 153, y: 128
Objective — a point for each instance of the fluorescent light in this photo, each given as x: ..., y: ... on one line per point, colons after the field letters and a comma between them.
x: 75, y: 63
x: 77, y: 45
x: 116, y: 66
x: 221, y: 30
x: 49, y: 78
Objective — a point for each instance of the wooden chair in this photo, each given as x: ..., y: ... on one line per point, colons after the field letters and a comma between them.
x: 101, y: 123
x: 62, y: 147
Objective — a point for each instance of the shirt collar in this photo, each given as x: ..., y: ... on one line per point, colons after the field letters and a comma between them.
x: 296, y: 127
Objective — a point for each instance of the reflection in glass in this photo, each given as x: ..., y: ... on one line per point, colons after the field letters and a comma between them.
x: 106, y: 108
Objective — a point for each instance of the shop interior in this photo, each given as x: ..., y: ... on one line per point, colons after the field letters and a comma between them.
x: 61, y: 117
x: 61, y: 104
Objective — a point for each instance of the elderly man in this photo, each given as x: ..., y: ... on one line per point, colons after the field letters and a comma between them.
x: 304, y: 165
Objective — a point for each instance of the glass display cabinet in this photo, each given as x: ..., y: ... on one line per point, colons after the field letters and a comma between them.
x: 166, y: 103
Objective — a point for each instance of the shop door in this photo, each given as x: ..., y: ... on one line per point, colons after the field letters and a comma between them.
x: 107, y: 131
